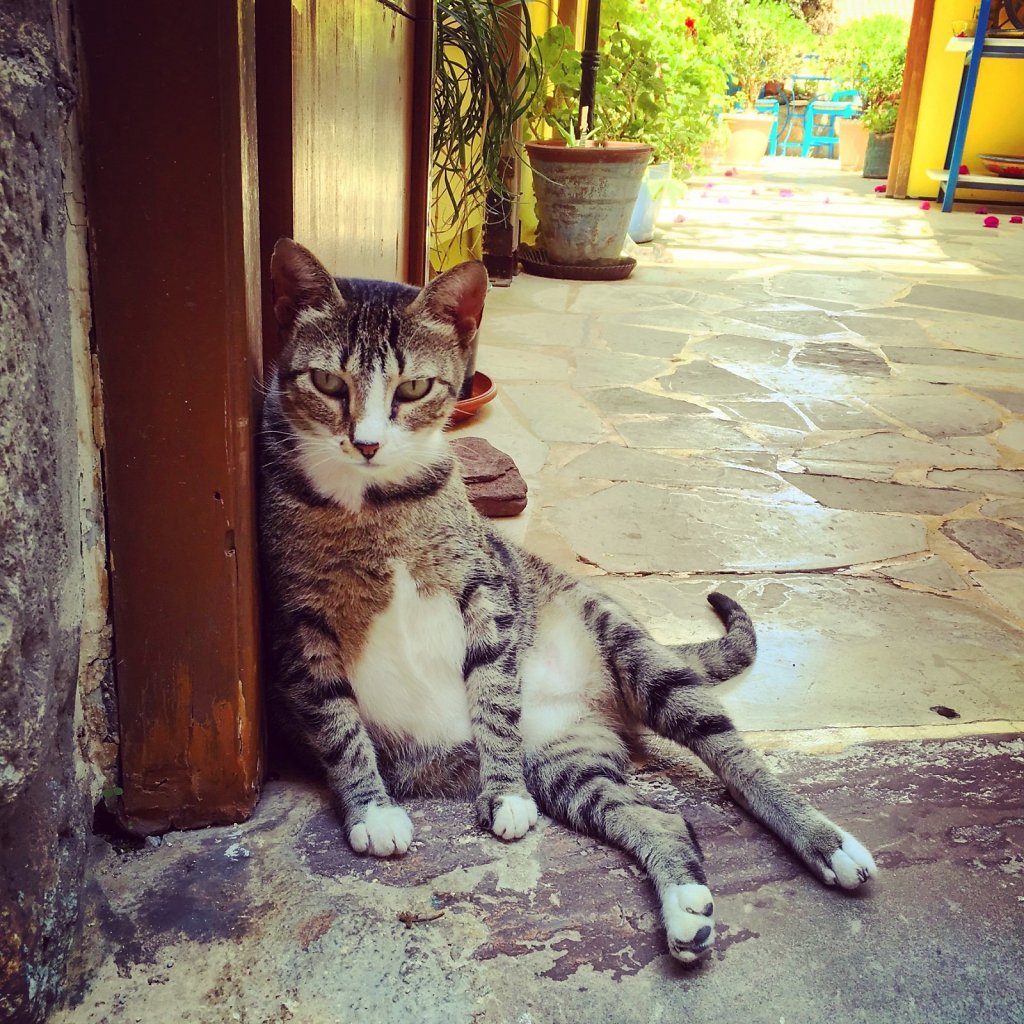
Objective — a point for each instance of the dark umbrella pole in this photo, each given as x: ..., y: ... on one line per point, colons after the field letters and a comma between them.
x: 588, y: 66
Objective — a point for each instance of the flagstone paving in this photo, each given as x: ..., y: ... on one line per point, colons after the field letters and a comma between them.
x: 812, y: 398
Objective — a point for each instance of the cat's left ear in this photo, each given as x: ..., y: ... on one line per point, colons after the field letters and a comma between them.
x: 456, y: 297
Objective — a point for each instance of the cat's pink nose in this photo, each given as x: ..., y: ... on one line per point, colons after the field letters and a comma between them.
x: 368, y: 449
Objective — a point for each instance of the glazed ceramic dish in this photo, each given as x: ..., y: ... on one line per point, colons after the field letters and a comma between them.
x: 1004, y: 166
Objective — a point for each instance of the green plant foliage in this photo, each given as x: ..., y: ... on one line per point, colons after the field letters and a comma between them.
x: 476, y: 103
x: 556, y: 90
x: 869, y: 55
x: 767, y: 40
x: 660, y: 80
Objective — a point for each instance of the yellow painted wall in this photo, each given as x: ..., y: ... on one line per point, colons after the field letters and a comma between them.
x: 996, y: 126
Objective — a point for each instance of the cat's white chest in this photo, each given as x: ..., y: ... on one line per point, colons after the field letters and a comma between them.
x: 408, y: 679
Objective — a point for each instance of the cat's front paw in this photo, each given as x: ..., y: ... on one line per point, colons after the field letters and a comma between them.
x: 509, y: 815
x: 689, y: 926
x: 381, y: 832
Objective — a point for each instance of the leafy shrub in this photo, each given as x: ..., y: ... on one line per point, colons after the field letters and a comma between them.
x: 869, y: 55
x: 661, y: 79
x: 768, y: 40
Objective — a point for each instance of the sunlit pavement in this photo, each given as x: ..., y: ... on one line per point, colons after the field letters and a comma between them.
x: 811, y: 397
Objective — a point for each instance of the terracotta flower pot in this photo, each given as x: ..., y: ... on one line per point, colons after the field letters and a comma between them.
x: 750, y: 134
x: 585, y: 196
x: 853, y: 141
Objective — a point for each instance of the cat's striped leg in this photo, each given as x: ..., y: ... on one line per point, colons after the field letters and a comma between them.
x: 491, y: 672
x: 831, y: 853
x: 335, y: 733
x: 669, y: 697
x: 580, y: 779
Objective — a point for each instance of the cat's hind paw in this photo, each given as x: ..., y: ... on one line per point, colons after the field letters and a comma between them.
x: 851, y: 865
x: 382, y: 832
x: 512, y: 816
x: 689, y: 925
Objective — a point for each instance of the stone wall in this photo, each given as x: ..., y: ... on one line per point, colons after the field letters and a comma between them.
x: 44, y: 803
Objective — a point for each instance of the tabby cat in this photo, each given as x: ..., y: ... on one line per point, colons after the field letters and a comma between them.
x: 415, y: 651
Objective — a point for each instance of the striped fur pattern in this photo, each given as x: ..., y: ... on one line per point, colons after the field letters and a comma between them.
x: 417, y: 652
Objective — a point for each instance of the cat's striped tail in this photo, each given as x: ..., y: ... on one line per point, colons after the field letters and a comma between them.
x: 729, y: 655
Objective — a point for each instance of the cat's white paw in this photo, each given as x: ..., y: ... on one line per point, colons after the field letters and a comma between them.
x: 689, y: 926
x: 383, y: 832
x: 851, y: 865
x: 514, y: 816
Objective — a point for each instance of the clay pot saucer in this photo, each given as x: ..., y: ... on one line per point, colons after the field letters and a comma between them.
x: 483, y: 391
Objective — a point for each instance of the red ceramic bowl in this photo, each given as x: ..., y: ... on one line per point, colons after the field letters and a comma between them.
x: 484, y: 390
x: 1003, y: 166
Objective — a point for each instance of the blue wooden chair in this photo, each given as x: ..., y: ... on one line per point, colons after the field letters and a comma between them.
x: 844, y: 103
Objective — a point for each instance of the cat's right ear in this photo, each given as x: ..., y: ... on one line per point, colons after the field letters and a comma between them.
x: 300, y: 282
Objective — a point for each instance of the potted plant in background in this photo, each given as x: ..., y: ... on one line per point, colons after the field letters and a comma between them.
x: 477, y: 106
x: 767, y: 41
x: 869, y: 55
x: 661, y: 81
x: 586, y: 183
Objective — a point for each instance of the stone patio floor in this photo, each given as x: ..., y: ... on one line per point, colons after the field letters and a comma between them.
x: 811, y: 397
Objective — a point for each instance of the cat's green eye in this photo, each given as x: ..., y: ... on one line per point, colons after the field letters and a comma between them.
x: 410, y: 390
x: 327, y: 383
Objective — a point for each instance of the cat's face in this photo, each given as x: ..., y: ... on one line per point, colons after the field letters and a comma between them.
x: 371, y: 370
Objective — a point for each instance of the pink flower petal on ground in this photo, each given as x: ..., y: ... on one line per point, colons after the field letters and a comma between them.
x: 785, y: 192
x: 1016, y: 219
x: 710, y: 184
x: 964, y: 169
x: 926, y: 205
x: 981, y: 209
x: 881, y: 188
x: 680, y: 218
x: 723, y: 199
x: 729, y: 174
x: 991, y: 222
x: 754, y: 192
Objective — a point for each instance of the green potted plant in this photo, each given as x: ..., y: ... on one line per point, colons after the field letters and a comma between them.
x: 766, y: 42
x: 869, y: 55
x: 660, y: 82
x: 477, y: 107
x: 586, y: 184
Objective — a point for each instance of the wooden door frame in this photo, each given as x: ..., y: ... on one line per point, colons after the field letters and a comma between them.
x: 910, y: 98
x: 169, y: 116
